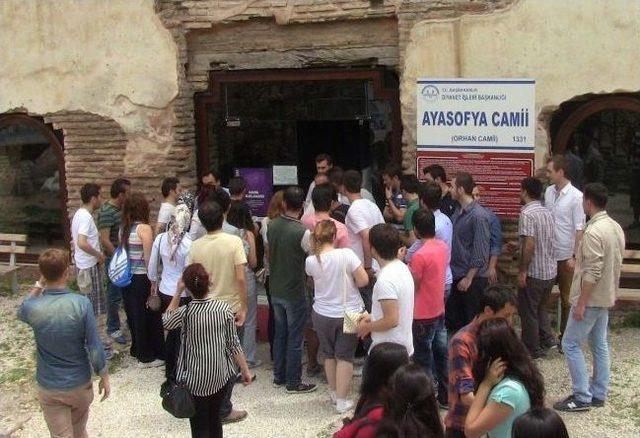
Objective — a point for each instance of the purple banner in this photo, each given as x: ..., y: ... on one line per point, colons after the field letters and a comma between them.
x: 259, y: 188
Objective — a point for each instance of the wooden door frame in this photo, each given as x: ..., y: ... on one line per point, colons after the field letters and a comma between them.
x: 214, y: 96
x: 56, y: 140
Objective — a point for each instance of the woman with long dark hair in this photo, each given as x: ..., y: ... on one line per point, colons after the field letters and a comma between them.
x: 383, y: 360
x: 209, y: 351
x: 508, y: 382
x: 240, y: 217
x: 411, y: 409
x: 145, y: 325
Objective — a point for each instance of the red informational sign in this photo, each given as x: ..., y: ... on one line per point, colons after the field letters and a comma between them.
x: 498, y: 175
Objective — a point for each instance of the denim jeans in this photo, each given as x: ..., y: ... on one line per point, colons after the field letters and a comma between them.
x: 430, y: 351
x: 594, y: 328
x: 251, y: 323
x: 290, y: 319
x: 114, y: 298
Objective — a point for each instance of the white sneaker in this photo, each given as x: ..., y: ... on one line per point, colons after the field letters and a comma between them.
x: 333, y: 398
x: 153, y: 364
x: 343, y: 406
x: 357, y: 371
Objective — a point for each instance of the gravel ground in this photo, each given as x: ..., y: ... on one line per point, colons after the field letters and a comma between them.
x: 134, y: 406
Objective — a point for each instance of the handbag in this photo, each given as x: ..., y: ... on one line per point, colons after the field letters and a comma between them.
x: 351, y: 319
x: 176, y: 397
x: 119, y: 269
x: 154, y: 303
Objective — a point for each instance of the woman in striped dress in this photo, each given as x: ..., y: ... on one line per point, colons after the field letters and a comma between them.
x: 209, y: 348
x: 147, y: 336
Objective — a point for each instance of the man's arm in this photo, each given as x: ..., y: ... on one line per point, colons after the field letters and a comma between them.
x: 592, y: 265
x: 526, y: 256
x: 389, y: 320
x: 479, y: 251
x: 366, y: 248
x: 83, y: 244
x: 107, y: 246
x: 241, y: 286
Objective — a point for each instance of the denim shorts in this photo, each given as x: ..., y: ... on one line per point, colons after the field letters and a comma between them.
x: 334, y: 343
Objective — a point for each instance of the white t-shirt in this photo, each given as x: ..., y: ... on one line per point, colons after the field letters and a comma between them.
x: 568, y: 216
x: 84, y: 224
x: 362, y: 214
x: 165, y: 213
x: 329, y: 282
x: 394, y: 283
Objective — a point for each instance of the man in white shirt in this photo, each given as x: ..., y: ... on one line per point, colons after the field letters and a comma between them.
x: 87, y: 255
x: 391, y: 315
x: 362, y: 215
x: 324, y: 163
x: 170, y: 191
x: 565, y: 203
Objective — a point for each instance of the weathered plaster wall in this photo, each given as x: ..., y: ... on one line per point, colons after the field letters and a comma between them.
x: 570, y: 47
x: 109, y: 60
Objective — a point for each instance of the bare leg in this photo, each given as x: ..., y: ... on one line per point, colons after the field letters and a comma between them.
x: 330, y: 370
x: 344, y: 372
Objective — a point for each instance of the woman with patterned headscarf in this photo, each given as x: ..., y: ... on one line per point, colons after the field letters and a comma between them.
x: 168, y: 261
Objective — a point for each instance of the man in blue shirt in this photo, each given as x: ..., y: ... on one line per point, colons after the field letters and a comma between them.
x: 68, y: 347
x: 469, y: 254
x: 495, y: 245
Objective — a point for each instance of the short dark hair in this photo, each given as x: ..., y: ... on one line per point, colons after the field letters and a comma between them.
x: 596, y: 193
x: 236, y: 185
x: 431, y: 195
x: 119, y: 186
x: 220, y: 197
x: 425, y: 224
x: 496, y: 297
x: 533, y: 187
x: 322, y: 196
x: 465, y: 180
x: 559, y: 163
x: 385, y: 239
x: 324, y: 157
x: 168, y: 184
x: 213, y: 172
x: 293, y: 198
x: 88, y: 191
x: 336, y: 176
x: 392, y: 170
x: 436, y: 171
x: 352, y: 180
x: 410, y: 183
x: 211, y: 215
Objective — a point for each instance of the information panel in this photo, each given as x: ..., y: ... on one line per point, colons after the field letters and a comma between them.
x: 259, y: 188
x: 482, y: 126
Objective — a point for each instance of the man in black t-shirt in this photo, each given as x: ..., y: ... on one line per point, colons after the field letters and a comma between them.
x: 436, y: 173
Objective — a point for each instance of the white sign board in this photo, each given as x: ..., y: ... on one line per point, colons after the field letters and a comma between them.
x: 476, y: 115
x: 285, y: 175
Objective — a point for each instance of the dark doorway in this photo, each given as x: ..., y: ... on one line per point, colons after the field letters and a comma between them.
x: 347, y: 141
x: 287, y: 117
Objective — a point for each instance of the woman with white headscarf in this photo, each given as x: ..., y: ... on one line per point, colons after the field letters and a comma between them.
x: 170, y: 249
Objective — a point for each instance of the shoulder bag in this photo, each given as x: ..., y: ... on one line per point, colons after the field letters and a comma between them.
x: 351, y: 319
x: 176, y: 398
x: 153, y: 300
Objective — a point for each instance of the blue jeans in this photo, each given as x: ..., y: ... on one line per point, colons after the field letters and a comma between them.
x: 594, y: 328
x: 114, y: 298
x: 290, y: 319
x: 251, y: 323
x: 430, y: 351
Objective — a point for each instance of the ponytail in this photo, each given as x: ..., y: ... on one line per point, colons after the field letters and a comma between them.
x: 323, y: 233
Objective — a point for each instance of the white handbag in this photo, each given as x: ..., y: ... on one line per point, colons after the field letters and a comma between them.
x: 351, y: 319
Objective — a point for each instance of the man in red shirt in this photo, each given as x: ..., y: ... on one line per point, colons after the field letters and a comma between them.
x: 428, y: 267
x: 496, y: 302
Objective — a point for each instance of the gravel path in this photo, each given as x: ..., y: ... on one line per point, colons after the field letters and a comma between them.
x: 134, y: 407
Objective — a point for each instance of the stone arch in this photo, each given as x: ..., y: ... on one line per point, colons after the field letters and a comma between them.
x: 587, y: 109
x: 56, y: 142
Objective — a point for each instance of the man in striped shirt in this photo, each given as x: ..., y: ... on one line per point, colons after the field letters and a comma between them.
x: 537, y: 269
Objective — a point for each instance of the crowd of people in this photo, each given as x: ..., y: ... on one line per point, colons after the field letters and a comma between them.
x: 411, y: 290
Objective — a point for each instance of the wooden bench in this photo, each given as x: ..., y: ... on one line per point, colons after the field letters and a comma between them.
x: 8, y: 245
